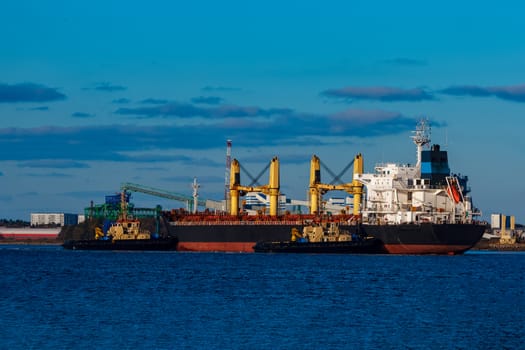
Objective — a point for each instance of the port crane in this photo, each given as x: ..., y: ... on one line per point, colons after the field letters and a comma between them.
x: 114, y: 209
x: 190, y: 201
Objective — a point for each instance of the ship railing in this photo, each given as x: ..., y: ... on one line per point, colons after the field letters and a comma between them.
x: 267, y: 221
x: 423, y: 187
x: 232, y: 223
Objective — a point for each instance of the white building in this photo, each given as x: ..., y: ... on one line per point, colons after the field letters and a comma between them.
x: 260, y: 201
x: 53, y: 219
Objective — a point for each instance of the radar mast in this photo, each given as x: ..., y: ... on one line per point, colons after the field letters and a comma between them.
x: 421, y: 138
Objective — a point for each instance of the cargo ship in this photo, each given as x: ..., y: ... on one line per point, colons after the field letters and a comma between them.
x: 124, y: 234
x: 411, y: 209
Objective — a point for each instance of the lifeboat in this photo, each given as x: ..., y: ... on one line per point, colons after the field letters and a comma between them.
x: 453, y: 191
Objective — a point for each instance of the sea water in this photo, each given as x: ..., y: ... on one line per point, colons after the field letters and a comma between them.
x: 52, y: 298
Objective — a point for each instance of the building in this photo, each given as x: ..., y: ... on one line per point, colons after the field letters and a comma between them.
x: 53, y: 219
x: 259, y: 202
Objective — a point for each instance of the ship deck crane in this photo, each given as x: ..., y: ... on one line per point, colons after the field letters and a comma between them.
x: 272, y: 189
x: 317, y: 189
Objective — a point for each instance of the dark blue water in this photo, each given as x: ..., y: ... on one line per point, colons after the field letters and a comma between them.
x: 56, y: 299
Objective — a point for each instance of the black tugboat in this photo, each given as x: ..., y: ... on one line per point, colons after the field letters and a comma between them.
x: 124, y: 234
x: 323, y: 239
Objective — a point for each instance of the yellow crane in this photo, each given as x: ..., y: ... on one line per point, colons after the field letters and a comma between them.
x: 271, y: 189
x: 317, y: 189
x: 507, y: 237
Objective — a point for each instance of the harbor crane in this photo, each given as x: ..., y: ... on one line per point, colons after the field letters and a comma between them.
x: 192, y: 202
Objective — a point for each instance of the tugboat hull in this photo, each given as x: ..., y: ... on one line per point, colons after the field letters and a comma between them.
x: 160, y: 244
x: 365, y: 246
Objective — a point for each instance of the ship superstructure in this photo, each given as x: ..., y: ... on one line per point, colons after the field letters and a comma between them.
x: 425, y: 193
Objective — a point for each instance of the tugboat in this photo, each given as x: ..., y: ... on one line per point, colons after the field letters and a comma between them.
x: 323, y: 238
x: 124, y: 234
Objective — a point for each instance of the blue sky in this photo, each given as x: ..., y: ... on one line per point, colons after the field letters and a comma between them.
x: 96, y: 94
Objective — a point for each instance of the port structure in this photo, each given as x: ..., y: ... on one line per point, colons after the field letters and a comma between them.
x: 271, y: 189
x: 191, y: 202
x: 123, y: 209
x: 112, y: 208
x: 507, y: 237
x: 317, y: 188
x: 118, y: 207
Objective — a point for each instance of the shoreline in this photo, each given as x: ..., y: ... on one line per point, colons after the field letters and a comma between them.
x: 494, y: 245
x: 30, y: 242
x: 519, y: 247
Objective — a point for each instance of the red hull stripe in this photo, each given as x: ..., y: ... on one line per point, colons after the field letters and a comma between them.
x: 246, y: 247
x: 425, y: 249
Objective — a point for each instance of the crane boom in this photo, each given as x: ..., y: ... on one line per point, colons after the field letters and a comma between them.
x: 127, y: 186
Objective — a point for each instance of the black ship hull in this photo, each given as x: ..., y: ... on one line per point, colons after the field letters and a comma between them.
x: 160, y: 244
x: 224, y: 237
x: 425, y: 238
x: 365, y: 246
x: 397, y: 239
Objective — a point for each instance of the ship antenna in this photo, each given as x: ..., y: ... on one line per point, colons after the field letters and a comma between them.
x: 421, y: 138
